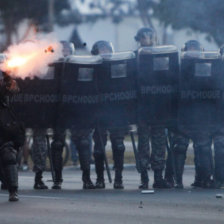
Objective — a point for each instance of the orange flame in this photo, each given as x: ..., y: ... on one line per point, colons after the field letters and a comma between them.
x: 31, y: 59
x: 18, y: 61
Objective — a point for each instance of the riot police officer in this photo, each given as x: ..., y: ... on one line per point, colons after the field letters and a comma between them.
x: 11, y: 138
x: 202, y: 141
x: 81, y: 139
x: 116, y: 136
x: 147, y: 37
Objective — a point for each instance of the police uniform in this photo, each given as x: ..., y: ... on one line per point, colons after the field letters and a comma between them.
x: 118, y: 149
x: 156, y: 132
x: 39, y: 156
x: 81, y: 138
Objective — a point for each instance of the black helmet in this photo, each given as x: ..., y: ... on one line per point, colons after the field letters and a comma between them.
x: 145, y: 31
x: 192, y: 45
x: 101, y: 45
x: 221, y: 50
x: 68, y: 47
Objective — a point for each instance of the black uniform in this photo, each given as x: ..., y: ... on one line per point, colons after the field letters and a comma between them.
x: 12, y: 136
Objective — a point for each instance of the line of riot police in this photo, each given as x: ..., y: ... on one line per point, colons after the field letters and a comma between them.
x: 109, y: 91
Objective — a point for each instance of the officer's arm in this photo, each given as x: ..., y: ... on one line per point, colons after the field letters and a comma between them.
x: 10, y: 84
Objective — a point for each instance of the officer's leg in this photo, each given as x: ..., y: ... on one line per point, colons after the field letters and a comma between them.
x: 143, y: 149
x: 8, y: 160
x: 180, y: 145
x: 57, y: 149
x: 158, y: 140
x: 219, y: 158
x: 39, y: 153
x: 202, y: 147
x: 99, y: 147
x: 2, y: 180
x: 118, y: 148
x: 82, y: 140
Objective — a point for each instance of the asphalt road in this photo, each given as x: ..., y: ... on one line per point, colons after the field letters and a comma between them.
x: 74, y: 205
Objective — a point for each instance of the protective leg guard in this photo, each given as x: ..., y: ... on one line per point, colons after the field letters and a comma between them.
x: 11, y: 176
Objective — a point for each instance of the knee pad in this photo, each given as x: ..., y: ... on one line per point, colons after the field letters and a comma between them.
x: 8, y: 154
x: 118, y: 144
x: 85, y: 144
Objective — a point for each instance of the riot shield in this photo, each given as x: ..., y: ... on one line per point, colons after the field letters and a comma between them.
x: 79, y: 97
x: 117, y: 88
x: 158, y: 74
x: 36, y: 103
x: 201, y: 87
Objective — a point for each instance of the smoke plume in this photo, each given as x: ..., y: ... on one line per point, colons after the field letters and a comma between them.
x: 31, y: 57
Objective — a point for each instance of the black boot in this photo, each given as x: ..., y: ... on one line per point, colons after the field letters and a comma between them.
x: 11, y: 177
x: 208, y: 183
x: 144, y: 180
x: 179, y: 167
x: 87, y: 183
x: 118, y: 183
x: 197, y: 182
x: 13, y: 196
x: 159, y: 182
x: 39, y: 184
x: 58, y: 180
x: 100, y: 184
x: 99, y: 166
x: 118, y: 153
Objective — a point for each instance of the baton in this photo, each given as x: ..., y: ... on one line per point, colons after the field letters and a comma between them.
x: 105, y: 156
x: 170, y: 154
x: 50, y: 158
x: 135, y: 152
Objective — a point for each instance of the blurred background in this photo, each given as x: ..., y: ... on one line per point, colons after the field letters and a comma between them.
x: 86, y: 21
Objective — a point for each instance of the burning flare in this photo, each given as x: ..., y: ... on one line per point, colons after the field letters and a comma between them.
x: 31, y: 58
x: 18, y: 61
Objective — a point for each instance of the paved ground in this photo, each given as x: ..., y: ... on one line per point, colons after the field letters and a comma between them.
x: 74, y: 205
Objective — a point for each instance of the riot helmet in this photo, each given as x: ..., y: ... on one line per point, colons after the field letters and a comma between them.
x: 68, y: 48
x: 147, y: 37
x: 102, y: 47
x: 192, y: 45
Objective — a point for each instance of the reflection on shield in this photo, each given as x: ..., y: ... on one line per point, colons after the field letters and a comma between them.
x: 161, y: 63
x: 203, y: 69
x: 119, y: 71
x: 85, y: 74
